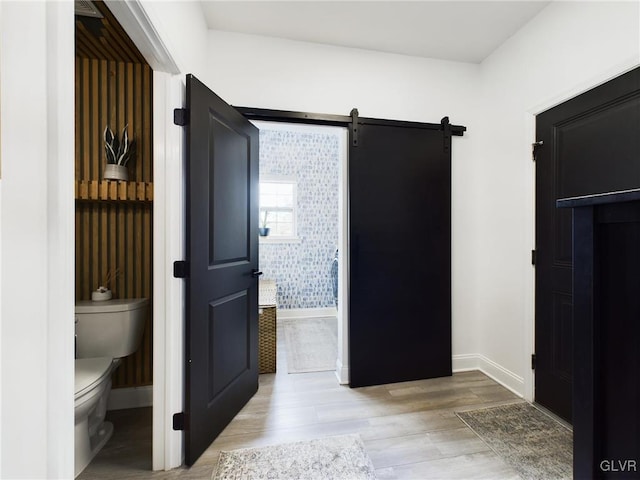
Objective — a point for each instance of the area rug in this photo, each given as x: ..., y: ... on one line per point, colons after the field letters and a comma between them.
x: 311, y: 344
x: 533, y: 443
x: 341, y: 457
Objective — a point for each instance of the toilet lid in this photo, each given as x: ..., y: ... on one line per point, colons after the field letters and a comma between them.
x: 89, y: 371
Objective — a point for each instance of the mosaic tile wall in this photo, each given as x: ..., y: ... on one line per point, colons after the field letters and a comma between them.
x: 303, y: 271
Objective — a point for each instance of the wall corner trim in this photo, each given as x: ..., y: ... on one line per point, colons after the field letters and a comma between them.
x: 476, y: 361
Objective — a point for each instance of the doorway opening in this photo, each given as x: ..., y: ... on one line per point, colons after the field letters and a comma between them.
x: 303, y: 220
x: 114, y: 217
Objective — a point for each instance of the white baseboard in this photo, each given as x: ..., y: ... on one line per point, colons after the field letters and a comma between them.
x: 465, y: 363
x: 286, y: 313
x: 134, y: 397
x: 508, y: 379
x: 342, y: 372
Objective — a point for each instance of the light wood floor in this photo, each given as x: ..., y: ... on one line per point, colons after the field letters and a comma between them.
x: 409, y: 429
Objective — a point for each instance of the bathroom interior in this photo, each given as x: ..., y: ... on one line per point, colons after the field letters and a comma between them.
x: 299, y: 200
x: 113, y: 224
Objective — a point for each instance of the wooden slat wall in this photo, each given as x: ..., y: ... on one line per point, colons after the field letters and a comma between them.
x: 114, y: 94
x: 111, y: 233
x: 104, y: 38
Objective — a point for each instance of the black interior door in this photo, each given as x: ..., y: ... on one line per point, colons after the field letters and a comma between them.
x: 591, y: 145
x: 400, y: 253
x: 222, y: 254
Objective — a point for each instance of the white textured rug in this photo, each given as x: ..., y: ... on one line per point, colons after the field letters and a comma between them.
x: 331, y: 458
x: 311, y: 344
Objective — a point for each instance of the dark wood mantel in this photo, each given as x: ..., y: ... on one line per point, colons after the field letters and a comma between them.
x: 606, y: 332
x: 621, y: 196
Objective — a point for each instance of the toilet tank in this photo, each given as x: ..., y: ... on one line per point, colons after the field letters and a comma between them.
x: 111, y: 328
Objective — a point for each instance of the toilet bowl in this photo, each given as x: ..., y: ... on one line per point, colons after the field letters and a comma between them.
x: 106, y: 331
x: 92, y: 382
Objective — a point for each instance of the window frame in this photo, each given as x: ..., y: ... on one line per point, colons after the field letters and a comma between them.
x: 293, y: 181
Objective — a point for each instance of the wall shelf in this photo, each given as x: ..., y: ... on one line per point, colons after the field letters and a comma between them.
x: 105, y: 190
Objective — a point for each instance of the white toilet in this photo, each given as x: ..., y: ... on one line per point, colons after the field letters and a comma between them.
x: 105, y: 332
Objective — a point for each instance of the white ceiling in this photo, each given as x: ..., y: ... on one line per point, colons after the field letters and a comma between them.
x: 466, y: 31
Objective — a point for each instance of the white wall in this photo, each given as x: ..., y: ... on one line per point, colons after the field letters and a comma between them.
x: 36, y: 230
x: 181, y: 27
x: 263, y: 72
x: 568, y: 48
x: 1, y: 119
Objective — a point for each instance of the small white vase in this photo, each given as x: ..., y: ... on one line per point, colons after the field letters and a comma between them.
x: 115, y: 172
x: 98, y: 296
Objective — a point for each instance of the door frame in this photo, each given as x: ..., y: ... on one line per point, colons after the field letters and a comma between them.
x: 530, y: 210
x: 345, y: 122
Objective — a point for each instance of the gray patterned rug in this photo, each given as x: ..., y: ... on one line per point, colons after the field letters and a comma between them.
x: 311, y: 344
x: 330, y: 458
x: 534, y: 444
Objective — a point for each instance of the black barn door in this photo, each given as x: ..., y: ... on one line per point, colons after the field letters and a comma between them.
x: 591, y: 144
x: 222, y: 255
x: 400, y: 252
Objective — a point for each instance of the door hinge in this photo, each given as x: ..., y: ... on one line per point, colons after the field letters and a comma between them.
x: 533, y: 257
x: 534, y: 149
x: 533, y: 361
x: 181, y: 269
x: 181, y: 116
x: 354, y: 127
x: 178, y: 421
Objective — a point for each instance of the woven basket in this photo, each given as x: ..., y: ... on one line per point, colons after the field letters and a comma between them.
x: 267, y: 340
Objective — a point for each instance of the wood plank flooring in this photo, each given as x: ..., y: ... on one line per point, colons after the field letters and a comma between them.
x: 409, y: 429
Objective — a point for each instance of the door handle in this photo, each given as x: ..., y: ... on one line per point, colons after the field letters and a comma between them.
x: 256, y: 273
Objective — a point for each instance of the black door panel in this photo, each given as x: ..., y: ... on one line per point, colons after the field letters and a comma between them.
x: 591, y: 145
x: 222, y: 251
x: 400, y: 259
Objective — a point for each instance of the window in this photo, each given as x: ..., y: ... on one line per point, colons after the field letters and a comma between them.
x: 278, y: 207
